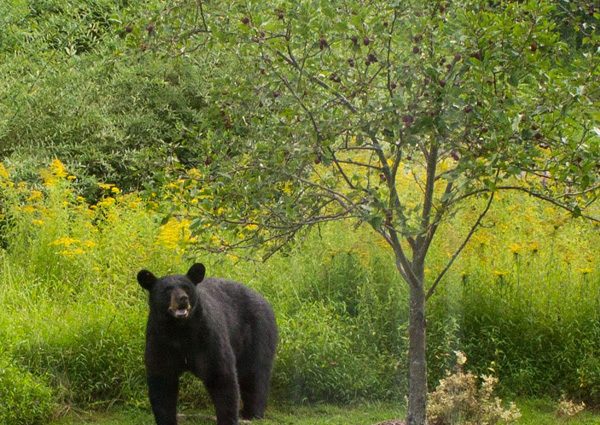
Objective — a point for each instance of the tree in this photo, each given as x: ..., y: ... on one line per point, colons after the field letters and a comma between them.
x: 324, y: 104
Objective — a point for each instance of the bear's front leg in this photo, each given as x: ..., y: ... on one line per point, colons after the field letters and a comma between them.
x: 224, y: 391
x: 163, y: 398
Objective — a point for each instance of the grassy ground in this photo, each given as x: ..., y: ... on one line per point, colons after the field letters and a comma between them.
x: 297, y: 415
x: 541, y: 412
x: 535, y: 412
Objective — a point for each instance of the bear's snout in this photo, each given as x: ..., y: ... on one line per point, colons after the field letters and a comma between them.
x: 180, y: 304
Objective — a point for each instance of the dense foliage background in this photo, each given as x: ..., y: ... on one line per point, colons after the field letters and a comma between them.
x: 523, y: 302
x: 107, y: 136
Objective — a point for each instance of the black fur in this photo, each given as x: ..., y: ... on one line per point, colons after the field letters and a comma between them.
x: 221, y: 331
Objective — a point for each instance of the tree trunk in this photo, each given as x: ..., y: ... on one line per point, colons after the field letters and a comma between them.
x: 417, y: 369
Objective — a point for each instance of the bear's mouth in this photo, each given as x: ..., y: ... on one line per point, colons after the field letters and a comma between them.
x: 181, y: 312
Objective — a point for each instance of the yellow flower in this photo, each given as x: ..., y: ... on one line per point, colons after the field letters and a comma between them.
x: 35, y: 195
x: 71, y: 177
x: 37, y: 222
x: 174, y: 233
x: 287, y: 188
x: 115, y: 190
x: 28, y: 209
x: 4, y: 172
x: 89, y: 244
x: 515, y: 248
x: 72, y: 252
x: 585, y: 270
x: 251, y: 227
x: 500, y: 273
x: 534, y: 246
x: 106, y: 202
x: 133, y: 204
x: 64, y: 241
x: 58, y: 168
x: 194, y: 173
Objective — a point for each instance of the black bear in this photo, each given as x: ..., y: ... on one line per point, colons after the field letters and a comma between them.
x: 221, y: 331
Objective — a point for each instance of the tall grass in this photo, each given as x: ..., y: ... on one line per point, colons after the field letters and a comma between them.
x: 523, y: 300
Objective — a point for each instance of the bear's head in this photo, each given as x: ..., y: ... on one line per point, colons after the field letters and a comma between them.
x: 173, y: 295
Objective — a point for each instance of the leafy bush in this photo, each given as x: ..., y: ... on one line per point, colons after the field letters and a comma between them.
x: 26, y: 400
x: 90, y: 360
x: 321, y: 358
x: 588, y: 373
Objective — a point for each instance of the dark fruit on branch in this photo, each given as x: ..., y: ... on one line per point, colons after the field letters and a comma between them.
x: 371, y: 58
x: 323, y: 43
x: 408, y: 120
x: 533, y: 46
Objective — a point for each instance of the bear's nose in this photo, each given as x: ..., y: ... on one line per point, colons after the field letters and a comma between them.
x: 183, y: 299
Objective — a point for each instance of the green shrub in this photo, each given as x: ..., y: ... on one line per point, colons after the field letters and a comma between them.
x: 588, y: 373
x: 90, y: 359
x: 321, y: 358
x: 25, y: 398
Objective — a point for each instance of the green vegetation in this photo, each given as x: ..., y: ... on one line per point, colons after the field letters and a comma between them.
x: 534, y: 412
x: 363, y: 414
x: 149, y: 135
x: 73, y: 316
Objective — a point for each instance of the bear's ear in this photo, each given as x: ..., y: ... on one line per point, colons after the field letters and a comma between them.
x: 146, y: 279
x: 196, y: 273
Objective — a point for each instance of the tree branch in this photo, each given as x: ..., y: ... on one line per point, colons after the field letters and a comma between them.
x: 543, y: 197
x: 461, y: 247
x: 319, y: 82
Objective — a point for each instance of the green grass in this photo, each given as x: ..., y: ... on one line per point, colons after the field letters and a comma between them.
x: 541, y: 412
x: 296, y: 415
x: 534, y: 411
